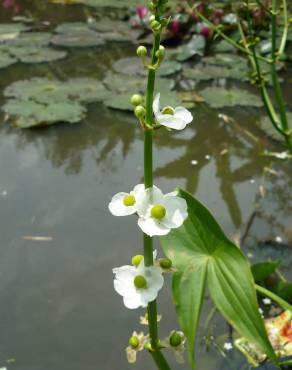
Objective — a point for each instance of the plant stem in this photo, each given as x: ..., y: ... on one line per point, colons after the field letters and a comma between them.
x: 148, y: 182
x: 274, y: 297
x: 276, y: 84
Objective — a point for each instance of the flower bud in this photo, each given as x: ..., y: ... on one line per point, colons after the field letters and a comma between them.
x: 134, y: 342
x: 151, y: 18
x: 140, y: 111
x: 136, y: 99
x: 141, y: 51
x: 160, y: 54
x: 137, y: 259
x: 151, y: 6
x: 156, y: 26
x: 165, y: 263
x: 175, y: 339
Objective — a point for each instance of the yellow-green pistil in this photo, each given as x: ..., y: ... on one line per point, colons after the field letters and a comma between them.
x: 158, y: 212
x: 140, y: 282
x: 168, y: 110
x: 129, y: 200
x: 134, y: 341
x: 175, y: 339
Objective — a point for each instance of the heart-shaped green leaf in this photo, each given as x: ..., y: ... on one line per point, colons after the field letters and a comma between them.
x: 201, y: 252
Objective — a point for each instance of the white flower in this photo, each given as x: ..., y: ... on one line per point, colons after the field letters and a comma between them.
x: 159, y: 213
x: 138, y: 285
x: 125, y: 204
x: 267, y: 301
x: 139, y: 343
x: 176, y: 118
x: 228, y: 346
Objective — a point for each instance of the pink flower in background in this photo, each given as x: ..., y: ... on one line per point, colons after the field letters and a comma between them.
x: 142, y: 12
x: 8, y: 4
x: 175, y: 26
x: 206, y: 32
x: 11, y: 4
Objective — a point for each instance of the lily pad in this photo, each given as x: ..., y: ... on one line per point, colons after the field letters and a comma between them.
x: 196, y: 46
x: 33, y: 54
x: 210, y: 72
x: 223, y: 47
x: 218, y: 97
x: 9, y: 31
x: 266, y: 125
x: 42, y: 90
x: 72, y: 27
x: 27, y: 114
x: 77, y: 39
x: 6, y: 60
x: 169, y: 68
x: 35, y: 39
x: 130, y: 66
x: 120, y: 102
x: 227, y: 60
x: 121, y: 83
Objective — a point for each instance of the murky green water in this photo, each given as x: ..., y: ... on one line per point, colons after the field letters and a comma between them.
x: 58, y: 307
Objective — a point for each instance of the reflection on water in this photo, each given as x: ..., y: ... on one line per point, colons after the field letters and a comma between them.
x: 59, y: 309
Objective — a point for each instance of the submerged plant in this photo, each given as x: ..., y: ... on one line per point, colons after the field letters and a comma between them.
x: 198, y: 253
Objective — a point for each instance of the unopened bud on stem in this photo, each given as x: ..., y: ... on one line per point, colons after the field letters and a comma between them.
x: 140, y: 111
x: 136, y: 99
x: 141, y: 51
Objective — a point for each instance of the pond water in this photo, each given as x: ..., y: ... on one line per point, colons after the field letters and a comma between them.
x: 58, y: 307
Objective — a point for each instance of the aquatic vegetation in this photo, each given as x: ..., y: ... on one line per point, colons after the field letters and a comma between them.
x: 41, y: 102
x: 247, y: 18
x: 193, y: 242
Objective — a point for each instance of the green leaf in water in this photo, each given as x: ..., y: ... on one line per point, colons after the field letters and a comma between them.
x: 219, y: 97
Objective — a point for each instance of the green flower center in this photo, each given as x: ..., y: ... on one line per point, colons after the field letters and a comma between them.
x: 158, y: 212
x: 175, y: 339
x: 134, y: 341
x: 129, y: 200
x: 140, y: 282
x: 168, y: 110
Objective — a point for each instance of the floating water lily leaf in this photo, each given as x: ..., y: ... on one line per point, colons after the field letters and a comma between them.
x: 169, y: 68
x: 195, y: 46
x: 266, y: 125
x: 77, y: 39
x: 9, y: 31
x: 42, y: 90
x: 6, y: 60
x: 218, y: 97
x: 227, y: 60
x: 35, y: 39
x: 31, y: 54
x: 119, y: 101
x: 27, y: 114
x: 121, y: 83
x: 72, y: 27
x: 210, y: 72
x: 130, y: 66
x: 223, y: 47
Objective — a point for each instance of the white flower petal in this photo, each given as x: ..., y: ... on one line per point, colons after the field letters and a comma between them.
x: 171, y: 121
x: 176, y: 211
x: 183, y: 114
x: 117, y: 207
x: 156, y: 104
x: 152, y: 227
x: 147, y: 199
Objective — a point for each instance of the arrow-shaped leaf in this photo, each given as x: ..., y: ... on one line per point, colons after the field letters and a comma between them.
x: 202, y: 252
